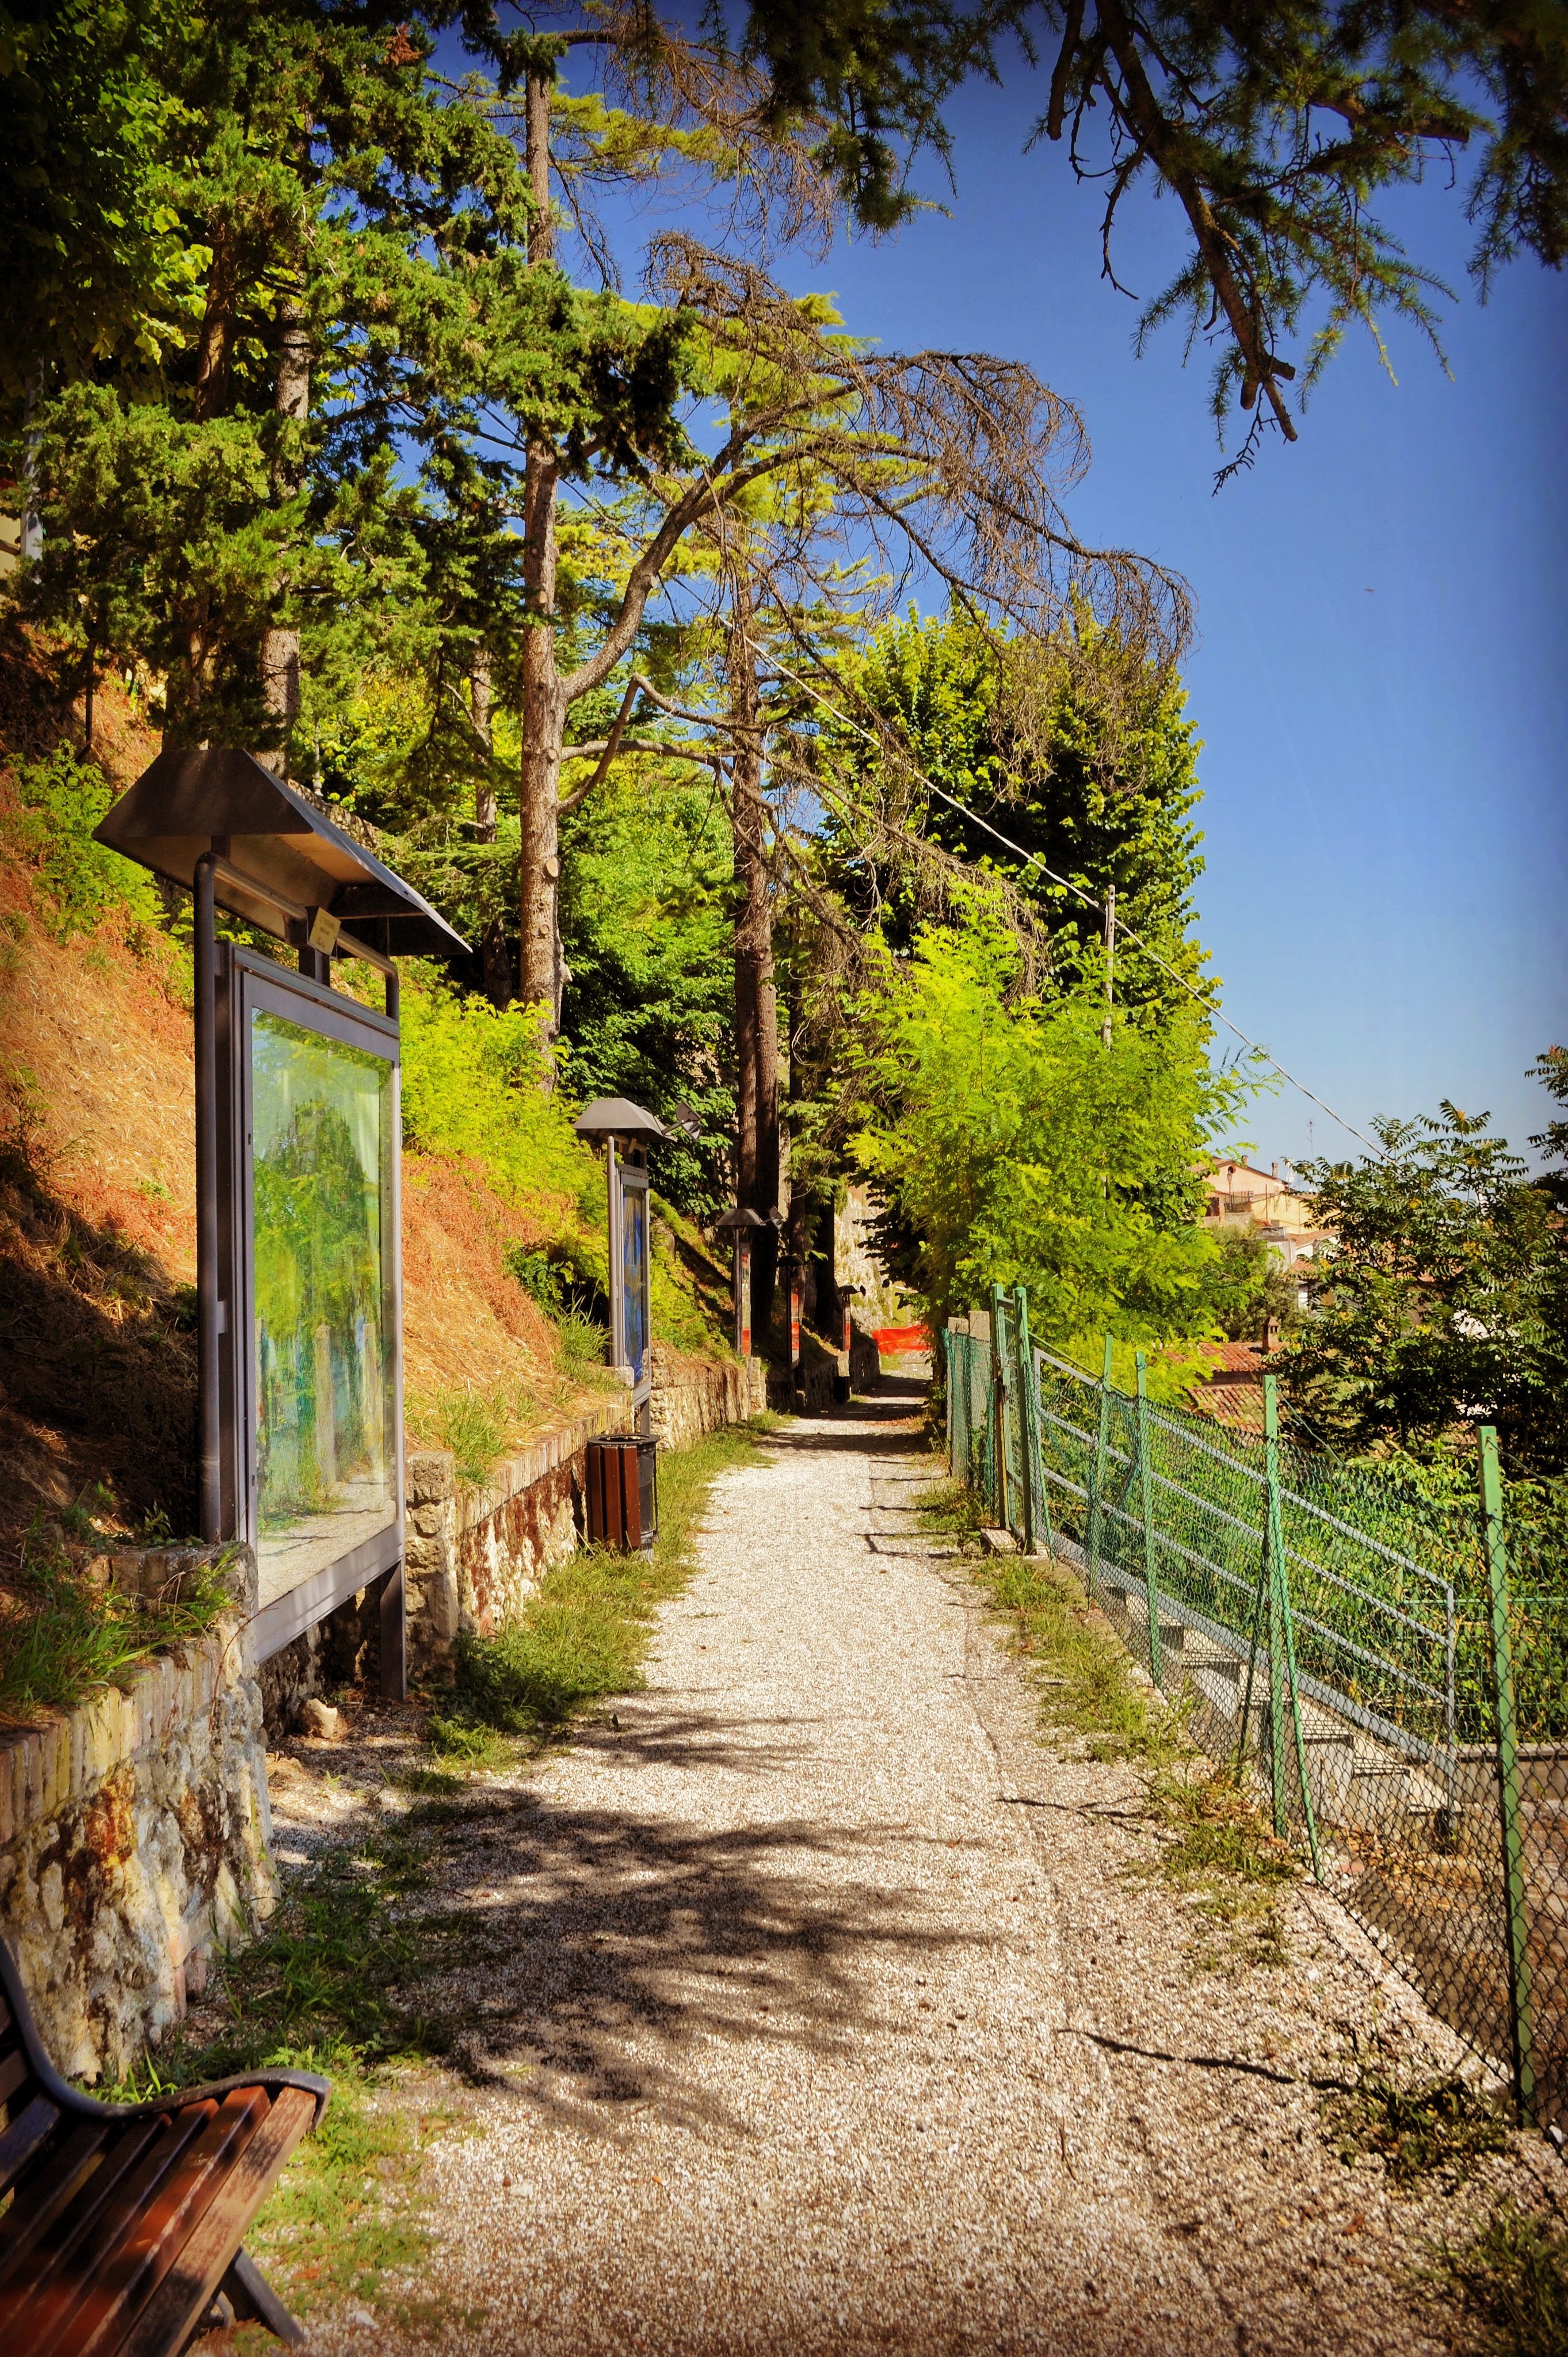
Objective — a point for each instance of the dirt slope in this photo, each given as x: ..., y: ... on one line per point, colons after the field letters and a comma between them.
x: 98, y: 1213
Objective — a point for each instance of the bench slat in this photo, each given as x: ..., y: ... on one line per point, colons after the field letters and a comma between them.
x: 48, y: 2280
x: 21, y: 2140
x: 188, y: 2290
x: 16, y: 2072
x: 51, y: 2284
x: 49, y: 2191
x: 126, y: 2277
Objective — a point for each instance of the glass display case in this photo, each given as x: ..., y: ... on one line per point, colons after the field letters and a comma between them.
x: 315, y: 1366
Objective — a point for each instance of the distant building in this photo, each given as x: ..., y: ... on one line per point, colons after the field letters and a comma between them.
x: 1240, y: 1196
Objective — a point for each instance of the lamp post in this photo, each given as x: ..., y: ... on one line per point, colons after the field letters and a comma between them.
x: 626, y: 1132
x: 739, y: 1225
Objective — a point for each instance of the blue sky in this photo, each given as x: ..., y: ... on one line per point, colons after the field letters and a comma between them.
x: 1380, y: 680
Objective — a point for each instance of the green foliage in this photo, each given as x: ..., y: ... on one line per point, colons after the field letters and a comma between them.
x: 1512, y: 2279
x: 1446, y: 1303
x: 471, y: 1088
x: 1078, y: 751
x: 1275, y: 135
x: 1021, y: 1150
x: 646, y: 929
x: 80, y: 886
x: 1250, y: 1289
x: 568, y: 1279
x: 69, y: 1641
x: 95, y: 267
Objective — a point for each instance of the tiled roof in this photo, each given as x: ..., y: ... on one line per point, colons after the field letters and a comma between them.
x: 1233, y: 1394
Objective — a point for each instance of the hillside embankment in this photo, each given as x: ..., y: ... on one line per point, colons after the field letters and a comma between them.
x: 97, y: 1192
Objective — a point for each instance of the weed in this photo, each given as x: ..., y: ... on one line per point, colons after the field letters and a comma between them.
x: 75, y: 1641
x: 1429, y: 2128
x: 473, y: 1426
x: 467, y: 1739
x: 1079, y: 1666
x: 341, y: 1964
x: 79, y: 1519
x: 952, y: 1506
x: 1215, y: 1846
x: 582, y: 1346
x: 1213, y: 1843
x: 1512, y: 2279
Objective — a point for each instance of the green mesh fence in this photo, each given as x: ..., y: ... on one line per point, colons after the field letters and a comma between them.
x: 1358, y: 1650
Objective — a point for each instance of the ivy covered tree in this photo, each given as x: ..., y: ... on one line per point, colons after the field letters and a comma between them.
x: 1076, y: 749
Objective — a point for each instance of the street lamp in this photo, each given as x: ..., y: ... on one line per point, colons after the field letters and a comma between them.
x: 738, y: 1225
x: 626, y: 1132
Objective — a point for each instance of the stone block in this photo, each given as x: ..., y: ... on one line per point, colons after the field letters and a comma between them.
x: 431, y: 1475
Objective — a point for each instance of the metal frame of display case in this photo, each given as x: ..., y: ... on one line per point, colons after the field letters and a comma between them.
x: 246, y: 982
x: 625, y: 1130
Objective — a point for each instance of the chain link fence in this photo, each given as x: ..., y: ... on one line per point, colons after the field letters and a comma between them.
x: 1364, y: 1654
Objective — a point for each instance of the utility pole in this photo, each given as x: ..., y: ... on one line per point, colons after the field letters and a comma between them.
x: 1109, y: 961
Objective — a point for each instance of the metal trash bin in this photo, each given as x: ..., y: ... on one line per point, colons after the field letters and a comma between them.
x: 623, y: 1491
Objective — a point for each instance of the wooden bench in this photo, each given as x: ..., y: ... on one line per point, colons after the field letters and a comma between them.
x: 123, y: 2222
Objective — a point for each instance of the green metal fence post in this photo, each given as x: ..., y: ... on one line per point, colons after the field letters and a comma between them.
x: 999, y: 1499
x: 1507, y: 1780
x: 1029, y: 1422
x: 1273, y: 1545
x: 1096, y: 1472
x: 1146, y: 1507
x: 1287, y: 1617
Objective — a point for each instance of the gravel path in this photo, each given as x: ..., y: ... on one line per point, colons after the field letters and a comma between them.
x: 836, y: 2022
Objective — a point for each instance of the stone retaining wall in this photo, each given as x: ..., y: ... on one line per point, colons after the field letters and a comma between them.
x: 475, y: 1556
x: 134, y: 1834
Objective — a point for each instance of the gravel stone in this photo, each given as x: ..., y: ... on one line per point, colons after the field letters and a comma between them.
x: 830, y: 2018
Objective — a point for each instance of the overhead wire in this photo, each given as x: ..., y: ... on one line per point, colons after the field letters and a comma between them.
x: 1067, y: 884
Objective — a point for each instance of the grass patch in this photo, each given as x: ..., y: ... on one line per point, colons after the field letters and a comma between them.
x: 1080, y: 1667
x: 473, y: 1425
x: 586, y: 1632
x: 1423, y: 2128
x: 1512, y: 2280
x: 1218, y: 1848
x: 339, y: 1983
x: 70, y: 1640
x: 953, y: 1508
x: 1213, y: 1844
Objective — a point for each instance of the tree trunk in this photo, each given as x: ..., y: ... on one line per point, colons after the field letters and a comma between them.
x: 756, y: 1007
x: 495, y: 958
x: 539, y: 976
x: 280, y: 641
x: 189, y: 681
x: 479, y: 706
